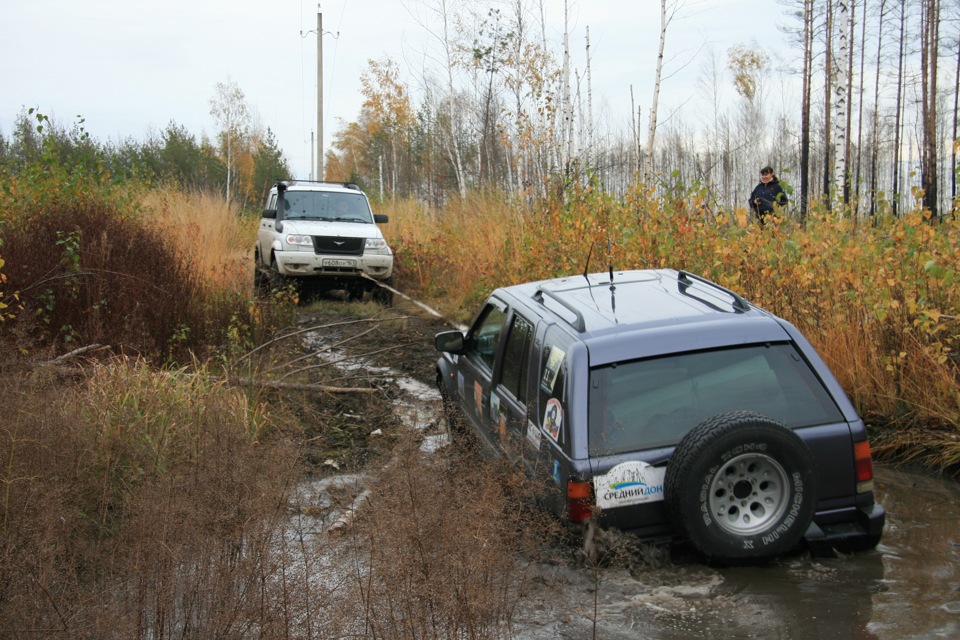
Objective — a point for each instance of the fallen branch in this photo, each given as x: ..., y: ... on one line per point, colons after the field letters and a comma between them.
x: 57, y: 364
x: 76, y: 352
x: 295, y: 386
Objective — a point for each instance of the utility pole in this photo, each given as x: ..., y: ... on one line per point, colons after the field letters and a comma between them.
x: 319, y: 94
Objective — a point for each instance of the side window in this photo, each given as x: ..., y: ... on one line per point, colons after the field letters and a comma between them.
x: 552, y: 385
x: 516, y: 358
x: 485, y: 335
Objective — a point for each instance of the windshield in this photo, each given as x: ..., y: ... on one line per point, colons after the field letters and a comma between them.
x: 653, y: 403
x: 326, y: 205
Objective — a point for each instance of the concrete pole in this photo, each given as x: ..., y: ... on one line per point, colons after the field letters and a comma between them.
x: 320, y: 175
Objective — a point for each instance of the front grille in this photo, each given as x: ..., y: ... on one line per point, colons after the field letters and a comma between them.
x: 338, y: 246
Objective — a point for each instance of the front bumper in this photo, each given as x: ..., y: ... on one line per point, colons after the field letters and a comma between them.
x: 309, y: 264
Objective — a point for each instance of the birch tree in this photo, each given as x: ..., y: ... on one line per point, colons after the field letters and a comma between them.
x: 229, y: 109
x: 652, y: 126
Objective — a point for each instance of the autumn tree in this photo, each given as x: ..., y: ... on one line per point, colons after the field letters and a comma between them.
x: 232, y: 115
x: 269, y: 165
x: 391, y: 117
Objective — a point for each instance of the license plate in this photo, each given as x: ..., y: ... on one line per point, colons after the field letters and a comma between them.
x: 339, y: 262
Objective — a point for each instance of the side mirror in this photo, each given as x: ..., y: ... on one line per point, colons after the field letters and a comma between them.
x: 270, y: 213
x: 449, y: 342
x: 380, y: 218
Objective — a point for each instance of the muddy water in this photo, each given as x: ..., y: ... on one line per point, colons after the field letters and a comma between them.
x: 909, y: 587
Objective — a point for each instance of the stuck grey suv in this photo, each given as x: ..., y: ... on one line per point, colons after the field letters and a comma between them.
x: 659, y: 403
x: 322, y: 234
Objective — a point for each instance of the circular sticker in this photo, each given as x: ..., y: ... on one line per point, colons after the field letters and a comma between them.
x: 553, y: 418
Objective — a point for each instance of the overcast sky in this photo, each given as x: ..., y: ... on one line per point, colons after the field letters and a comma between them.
x: 129, y: 67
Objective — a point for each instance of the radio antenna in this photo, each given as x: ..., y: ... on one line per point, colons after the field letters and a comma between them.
x: 586, y: 267
x: 610, y: 255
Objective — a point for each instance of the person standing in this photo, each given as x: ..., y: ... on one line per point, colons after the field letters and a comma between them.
x: 767, y: 196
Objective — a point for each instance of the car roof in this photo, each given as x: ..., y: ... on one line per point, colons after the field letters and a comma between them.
x: 309, y: 185
x: 647, y: 312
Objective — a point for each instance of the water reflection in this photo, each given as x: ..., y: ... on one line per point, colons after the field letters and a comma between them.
x: 921, y: 557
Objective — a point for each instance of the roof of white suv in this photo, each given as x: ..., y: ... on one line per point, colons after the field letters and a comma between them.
x: 309, y: 185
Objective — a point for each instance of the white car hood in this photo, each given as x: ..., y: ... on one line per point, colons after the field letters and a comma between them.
x: 333, y: 229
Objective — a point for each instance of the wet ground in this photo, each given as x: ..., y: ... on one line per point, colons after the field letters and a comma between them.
x: 909, y: 587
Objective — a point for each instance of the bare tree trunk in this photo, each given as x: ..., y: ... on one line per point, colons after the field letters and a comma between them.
x: 840, y: 87
x: 829, y: 157
x: 590, y: 141
x: 929, y: 42
x: 453, y: 144
x: 652, y: 128
x: 635, y: 125
x: 897, y: 117
x: 863, y: 55
x: 805, y: 107
x: 956, y: 110
x: 567, y: 100
x: 875, y: 152
x: 851, y: 22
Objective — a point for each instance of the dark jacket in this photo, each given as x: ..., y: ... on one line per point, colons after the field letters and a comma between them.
x: 767, y: 195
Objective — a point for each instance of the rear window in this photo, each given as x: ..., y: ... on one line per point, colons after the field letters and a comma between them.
x: 652, y: 403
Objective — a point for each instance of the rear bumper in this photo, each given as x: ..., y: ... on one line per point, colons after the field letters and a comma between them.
x: 857, y: 534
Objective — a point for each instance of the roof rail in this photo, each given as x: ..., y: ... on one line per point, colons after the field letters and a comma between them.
x: 578, y: 323
x: 346, y: 185
x: 685, y: 279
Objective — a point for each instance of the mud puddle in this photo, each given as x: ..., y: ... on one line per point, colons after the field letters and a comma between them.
x: 909, y: 587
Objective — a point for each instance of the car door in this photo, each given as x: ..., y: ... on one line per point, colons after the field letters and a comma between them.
x: 508, y: 400
x: 266, y: 233
x: 475, y: 374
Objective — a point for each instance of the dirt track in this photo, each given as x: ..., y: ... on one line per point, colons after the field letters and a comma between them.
x: 366, y: 346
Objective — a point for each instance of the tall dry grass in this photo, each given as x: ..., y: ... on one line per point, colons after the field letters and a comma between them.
x: 453, y: 256
x: 147, y: 504
x: 214, y: 239
x: 137, y: 503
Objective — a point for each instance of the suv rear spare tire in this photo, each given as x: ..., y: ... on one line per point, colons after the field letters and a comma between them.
x: 741, y: 488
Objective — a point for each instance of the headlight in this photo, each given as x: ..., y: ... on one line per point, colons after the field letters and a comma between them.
x: 302, y: 241
x: 377, y: 244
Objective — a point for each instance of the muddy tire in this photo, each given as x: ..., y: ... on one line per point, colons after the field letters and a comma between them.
x: 355, y: 292
x: 741, y: 488
x: 261, y: 285
x: 275, y: 280
x: 456, y: 428
x: 382, y: 295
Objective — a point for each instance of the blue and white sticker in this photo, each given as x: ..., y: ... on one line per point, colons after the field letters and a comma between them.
x: 628, y: 483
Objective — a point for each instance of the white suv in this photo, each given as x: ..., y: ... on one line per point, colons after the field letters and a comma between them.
x: 322, y: 234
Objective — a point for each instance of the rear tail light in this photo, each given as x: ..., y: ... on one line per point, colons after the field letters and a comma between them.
x: 579, y: 501
x: 864, y: 466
